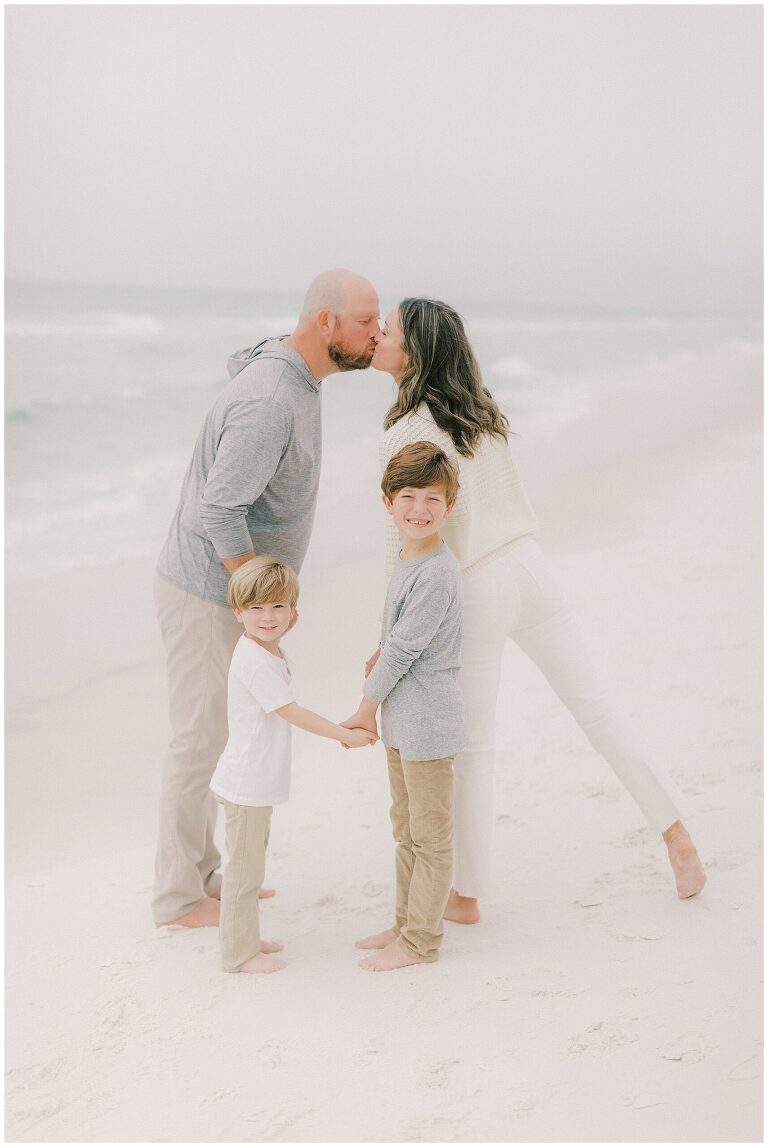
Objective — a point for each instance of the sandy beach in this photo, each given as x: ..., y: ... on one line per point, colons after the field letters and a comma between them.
x: 589, y: 1005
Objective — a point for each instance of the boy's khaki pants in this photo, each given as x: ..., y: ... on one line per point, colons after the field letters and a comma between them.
x: 199, y: 639
x: 247, y: 840
x: 422, y: 822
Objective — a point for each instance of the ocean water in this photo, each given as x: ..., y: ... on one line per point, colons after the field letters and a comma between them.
x: 106, y: 389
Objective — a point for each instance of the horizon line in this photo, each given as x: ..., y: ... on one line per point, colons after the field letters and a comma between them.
x: 496, y: 301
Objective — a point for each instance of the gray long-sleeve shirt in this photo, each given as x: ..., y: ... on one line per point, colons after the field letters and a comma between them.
x: 253, y: 477
x: 416, y: 677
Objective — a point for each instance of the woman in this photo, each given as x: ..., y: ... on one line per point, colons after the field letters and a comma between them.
x: 507, y: 591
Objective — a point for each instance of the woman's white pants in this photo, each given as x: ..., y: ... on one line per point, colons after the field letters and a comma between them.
x: 515, y: 596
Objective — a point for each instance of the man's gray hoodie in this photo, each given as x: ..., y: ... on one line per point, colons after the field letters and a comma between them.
x: 252, y: 481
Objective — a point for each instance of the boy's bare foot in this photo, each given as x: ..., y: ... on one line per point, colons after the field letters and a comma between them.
x: 203, y: 915
x: 690, y: 876
x: 462, y: 909
x: 390, y: 958
x: 269, y: 946
x: 380, y: 940
x: 262, y: 963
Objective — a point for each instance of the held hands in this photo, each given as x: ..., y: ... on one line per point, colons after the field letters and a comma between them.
x: 363, y: 721
x: 358, y: 738
x: 371, y: 662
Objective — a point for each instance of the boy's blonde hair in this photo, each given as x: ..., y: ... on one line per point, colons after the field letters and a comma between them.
x: 421, y: 464
x: 261, y: 581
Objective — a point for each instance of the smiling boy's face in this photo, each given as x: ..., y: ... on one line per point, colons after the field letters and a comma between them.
x: 266, y: 623
x: 418, y: 512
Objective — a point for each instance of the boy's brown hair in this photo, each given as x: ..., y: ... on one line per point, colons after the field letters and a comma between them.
x: 261, y: 581
x: 421, y: 464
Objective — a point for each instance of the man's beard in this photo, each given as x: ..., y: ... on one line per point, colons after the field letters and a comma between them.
x: 346, y: 359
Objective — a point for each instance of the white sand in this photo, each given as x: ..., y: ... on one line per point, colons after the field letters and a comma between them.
x: 589, y: 1005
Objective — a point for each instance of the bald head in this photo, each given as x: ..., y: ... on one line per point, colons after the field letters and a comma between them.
x: 339, y: 323
x: 338, y: 290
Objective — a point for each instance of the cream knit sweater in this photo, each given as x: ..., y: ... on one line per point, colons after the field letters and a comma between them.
x: 491, y: 511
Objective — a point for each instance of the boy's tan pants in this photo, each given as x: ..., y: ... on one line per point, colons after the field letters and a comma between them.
x: 422, y: 822
x: 247, y: 839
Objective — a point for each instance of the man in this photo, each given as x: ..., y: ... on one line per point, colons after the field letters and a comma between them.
x: 250, y: 488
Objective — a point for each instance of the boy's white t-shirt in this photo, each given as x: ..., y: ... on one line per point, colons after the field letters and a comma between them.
x: 255, y: 767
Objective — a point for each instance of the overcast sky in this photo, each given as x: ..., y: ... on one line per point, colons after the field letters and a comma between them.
x: 598, y: 155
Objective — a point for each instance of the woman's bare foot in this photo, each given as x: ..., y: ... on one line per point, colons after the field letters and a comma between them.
x: 203, y: 915
x: 690, y: 877
x: 380, y: 940
x: 390, y: 958
x: 462, y: 909
x: 262, y: 963
x: 269, y: 946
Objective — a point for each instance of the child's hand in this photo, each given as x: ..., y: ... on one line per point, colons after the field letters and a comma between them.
x: 372, y: 661
x: 362, y: 721
x: 358, y: 739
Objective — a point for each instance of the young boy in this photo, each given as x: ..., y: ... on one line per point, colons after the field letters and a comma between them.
x: 414, y: 677
x: 254, y: 771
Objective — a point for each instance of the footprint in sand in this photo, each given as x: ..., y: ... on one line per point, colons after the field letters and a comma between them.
x: 634, y: 839
x: 687, y: 1049
x: 600, y: 1039
x: 370, y: 888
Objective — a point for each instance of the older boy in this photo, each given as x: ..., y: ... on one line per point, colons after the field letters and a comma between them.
x: 414, y: 677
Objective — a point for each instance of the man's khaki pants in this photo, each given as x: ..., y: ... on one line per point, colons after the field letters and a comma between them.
x: 422, y: 822
x: 247, y: 840
x: 199, y: 639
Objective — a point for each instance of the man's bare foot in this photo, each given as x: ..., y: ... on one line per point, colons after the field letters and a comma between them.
x: 380, y: 940
x: 264, y: 893
x: 269, y: 946
x: 462, y: 909
x: 390, y: 958
x: 262, y: 963
x: 203, y: 915
x: 690, y: 876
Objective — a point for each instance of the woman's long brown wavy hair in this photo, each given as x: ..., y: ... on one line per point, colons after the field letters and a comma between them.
x: 443, y: 372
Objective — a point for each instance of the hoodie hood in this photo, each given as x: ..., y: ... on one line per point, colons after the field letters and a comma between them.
x: 241, y: 358
x: 270, y: 348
